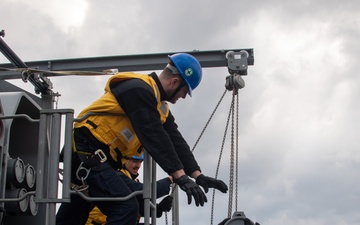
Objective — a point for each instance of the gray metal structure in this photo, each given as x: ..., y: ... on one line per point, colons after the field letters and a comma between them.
x: 31, y: 130
x: 143, y: 62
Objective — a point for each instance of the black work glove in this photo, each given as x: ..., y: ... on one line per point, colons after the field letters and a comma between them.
x: 191, y: 189
x: 164, y: 206
x: 209, y: 182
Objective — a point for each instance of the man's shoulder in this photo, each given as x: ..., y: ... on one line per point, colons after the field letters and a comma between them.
x: 131, y: 84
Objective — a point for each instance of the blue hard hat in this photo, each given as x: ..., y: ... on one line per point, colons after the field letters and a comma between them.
x: 140, y: 157
x: 189, y: 69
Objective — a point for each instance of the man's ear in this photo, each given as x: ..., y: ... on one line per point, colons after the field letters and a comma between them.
x: 175, y: 80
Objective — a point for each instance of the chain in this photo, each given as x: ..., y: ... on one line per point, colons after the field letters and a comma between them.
x: 231, y: 175
x: 237, y: 154
x: 231, y: 115
x: 207, y: 123
x: 218, y: 165
x: 173, y: 186
x: 166, y: 219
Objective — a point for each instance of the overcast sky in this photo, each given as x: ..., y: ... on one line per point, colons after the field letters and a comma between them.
x: 299, y: 157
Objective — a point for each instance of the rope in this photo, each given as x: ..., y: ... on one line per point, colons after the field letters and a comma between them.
x: 59, y: 72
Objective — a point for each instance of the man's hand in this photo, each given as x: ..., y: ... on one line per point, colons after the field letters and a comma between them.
x: 191, y: 189
x: 209, y: 182
x: 164, y: 206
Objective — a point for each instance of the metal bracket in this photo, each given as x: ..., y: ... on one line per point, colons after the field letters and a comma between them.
x: 237, y: 66
x: 42, y: 84
x: 237, y: 62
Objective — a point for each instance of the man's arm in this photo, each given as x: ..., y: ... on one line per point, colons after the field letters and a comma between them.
x: 137, y: 99
x: 181, y: 146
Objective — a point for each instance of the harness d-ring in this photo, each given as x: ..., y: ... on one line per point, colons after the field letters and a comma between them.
x: 82, y: 168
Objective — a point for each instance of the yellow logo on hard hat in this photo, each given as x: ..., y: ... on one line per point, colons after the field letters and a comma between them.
x: 188, y: 72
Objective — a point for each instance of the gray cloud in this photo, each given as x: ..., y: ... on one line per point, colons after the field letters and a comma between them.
x: 298, y: 115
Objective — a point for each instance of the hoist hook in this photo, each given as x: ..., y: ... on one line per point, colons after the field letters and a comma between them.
x: 234, y: 82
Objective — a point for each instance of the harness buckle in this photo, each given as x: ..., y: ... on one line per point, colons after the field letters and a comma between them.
x: 101, y: 155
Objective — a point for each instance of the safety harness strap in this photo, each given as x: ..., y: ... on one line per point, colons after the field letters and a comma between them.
x: 89, y: 161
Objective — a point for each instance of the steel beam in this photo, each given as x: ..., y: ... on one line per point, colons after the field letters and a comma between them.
x: 142, y: 62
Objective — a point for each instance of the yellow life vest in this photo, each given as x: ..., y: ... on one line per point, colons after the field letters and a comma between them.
x: 113, y: 127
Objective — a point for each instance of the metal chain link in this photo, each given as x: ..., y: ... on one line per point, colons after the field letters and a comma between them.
x: 237, y: 154
x: 173, y: 186
x: 231, y: 175
x: 218, y: 166
x: 207, y: 123
x: 233, y: 164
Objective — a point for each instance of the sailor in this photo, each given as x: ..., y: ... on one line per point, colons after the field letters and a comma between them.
x: 130, y: 170
x: 132, y: 112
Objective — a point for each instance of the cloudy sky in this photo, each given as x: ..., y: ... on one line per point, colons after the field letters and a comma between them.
x: 299, y: 157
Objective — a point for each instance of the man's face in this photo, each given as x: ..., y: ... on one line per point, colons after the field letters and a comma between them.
x: 181, y: 94
x: 176, y: 82
x: 133, y: 166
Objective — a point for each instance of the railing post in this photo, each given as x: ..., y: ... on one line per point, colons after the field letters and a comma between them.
x: 153, y: 192
x: 67, y: 154
x: 147, y: 187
